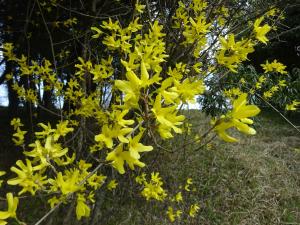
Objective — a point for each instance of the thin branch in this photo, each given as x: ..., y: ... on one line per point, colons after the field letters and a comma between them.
x: 49, y: 34
x: 148, y: 10
x: 48, y: 214
x: 286, y: 119
x: 91, y: 16
x: 48, y: 110
x: 210, y: 140
x: 285, y: 32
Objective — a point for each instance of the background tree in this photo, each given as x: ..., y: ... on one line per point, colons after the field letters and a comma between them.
x: 282, y: 46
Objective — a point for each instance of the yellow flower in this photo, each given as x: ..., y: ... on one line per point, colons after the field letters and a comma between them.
x: 82, y: 209
x: 153, y: 188
x: 19, y: 140
x: 47, y: 130
x: 118, y: 116
x: 112, y: 185
x: 178, y: 197
x: 189, y: 181
x: 171, y: 214
x: 268, y: 94
x: 96, y: 181
x: 62, y: 129
x: 27, y: 179
x: 12, y: 203
x: 8, y: 51
x: 271, y: 12
x: 292, y: 106
x: 274, y: 66
x: 261, y: 31
x: 98, y: 32
x: 237, y: 118
x: 119, y: 157
x: 139, y: 7
x: 188, y: 89
x: 50, y: 151
x: 167, y: 118
x: 132, y: 86
x: 108, y: 133
x: 282, y: 83
x: 135, y: 147
x: 9, y: 76
x: 16, y: 122
x: 141, y: 178
x: 113, y: 26
x: 178, y: 213
x: 200, y: 25
x: 242, y: 80
x: 193, y: 210
x: 106, y: 136
x: 233, y: 52
x: 67, y: 183
x: 53, y: 201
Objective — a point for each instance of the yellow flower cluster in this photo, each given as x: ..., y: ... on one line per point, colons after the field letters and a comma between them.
x: 261, y: 31
x: 78, y: 181
x: 269, y: 93
x: 112, y: 185
x: 18, y: 136
x: 70, y: 22
x: 232, y: 93
x: 292, y: 106
x: 152, y: 189
x: 48, y: 153
x: 40, y: 72
x: 8, y: 51
x: 142, y: 66
x: 191, y: 210
x: 194, y: 28
x: 233, y: 52
x: 173, y: 215
x: 29, y: 177
x: 274, y: 66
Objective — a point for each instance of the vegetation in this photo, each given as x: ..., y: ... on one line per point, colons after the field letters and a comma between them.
x: 105, y: 124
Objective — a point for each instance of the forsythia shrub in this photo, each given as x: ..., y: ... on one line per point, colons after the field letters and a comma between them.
x: 140, y: 83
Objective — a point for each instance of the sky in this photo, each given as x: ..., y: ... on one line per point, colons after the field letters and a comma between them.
x: 3, y: 89
x: 3, y: 95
